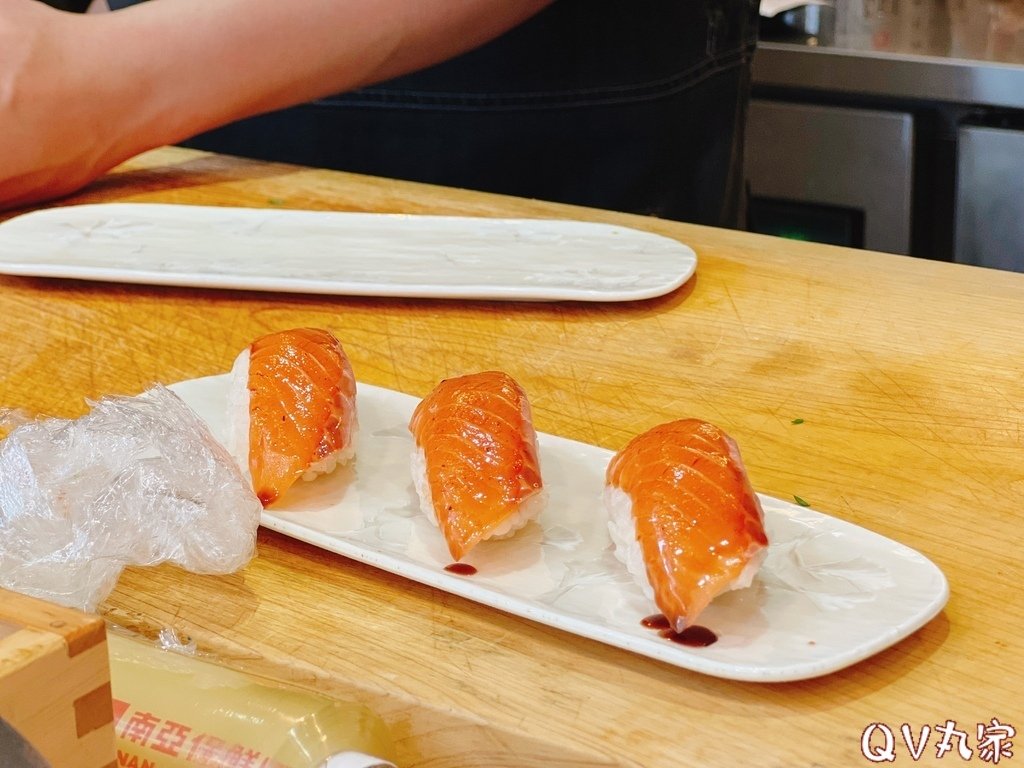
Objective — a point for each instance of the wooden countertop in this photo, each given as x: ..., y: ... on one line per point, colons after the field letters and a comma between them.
x: 907, y: 374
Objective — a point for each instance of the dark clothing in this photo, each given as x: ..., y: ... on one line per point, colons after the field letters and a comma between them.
x: 632, y: 105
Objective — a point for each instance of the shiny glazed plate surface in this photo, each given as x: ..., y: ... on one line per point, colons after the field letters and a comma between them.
x: 362, y: 254
x: 828, y: 595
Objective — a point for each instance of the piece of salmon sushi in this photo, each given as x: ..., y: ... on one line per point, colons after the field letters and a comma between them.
x: 683, y: 517
x: 293, y: 403
x: 475, y: 462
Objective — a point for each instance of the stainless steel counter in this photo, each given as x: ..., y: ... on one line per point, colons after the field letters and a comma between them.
x: 889, y: 75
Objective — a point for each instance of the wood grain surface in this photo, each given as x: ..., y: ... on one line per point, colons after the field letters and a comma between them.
x: 907, y: 375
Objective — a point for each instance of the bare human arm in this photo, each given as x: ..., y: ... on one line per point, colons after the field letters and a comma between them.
x: 81, y: 93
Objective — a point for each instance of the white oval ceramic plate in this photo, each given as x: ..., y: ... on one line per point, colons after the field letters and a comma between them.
x: 828, y: 595
x: 358, y: 254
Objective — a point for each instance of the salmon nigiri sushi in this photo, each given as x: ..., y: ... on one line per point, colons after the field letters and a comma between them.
x: 683, y: 517
x: 475, y: 462
x: 294, y: 407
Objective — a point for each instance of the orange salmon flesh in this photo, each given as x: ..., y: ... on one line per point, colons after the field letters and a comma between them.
x: 480, y: 449
x: 698, y: 521
x: 301, y: 406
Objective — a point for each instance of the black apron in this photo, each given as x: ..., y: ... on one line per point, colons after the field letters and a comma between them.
x: 630, y: 105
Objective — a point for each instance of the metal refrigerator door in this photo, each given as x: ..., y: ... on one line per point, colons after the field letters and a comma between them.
x: 990, y: 198
x: 840, y: 156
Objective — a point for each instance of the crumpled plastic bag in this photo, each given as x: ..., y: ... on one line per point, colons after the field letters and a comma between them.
x: 137, y: 481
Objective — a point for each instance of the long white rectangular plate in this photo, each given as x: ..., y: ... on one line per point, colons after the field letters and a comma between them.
x: 828, y: 595
x: 358, y: 254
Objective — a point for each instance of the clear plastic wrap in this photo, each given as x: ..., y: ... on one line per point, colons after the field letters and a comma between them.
x: 137, y: 481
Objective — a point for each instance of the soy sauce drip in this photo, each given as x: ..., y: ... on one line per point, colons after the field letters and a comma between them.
x: 460, y: 569
x: 656, y: 621
x: 693, y: 637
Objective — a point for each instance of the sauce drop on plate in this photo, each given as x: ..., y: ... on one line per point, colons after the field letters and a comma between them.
x: 694, y: 637
x: 655, y: 621
x: 460, y: 569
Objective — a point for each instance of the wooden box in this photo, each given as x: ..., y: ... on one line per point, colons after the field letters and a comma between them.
x: 55, y: 681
